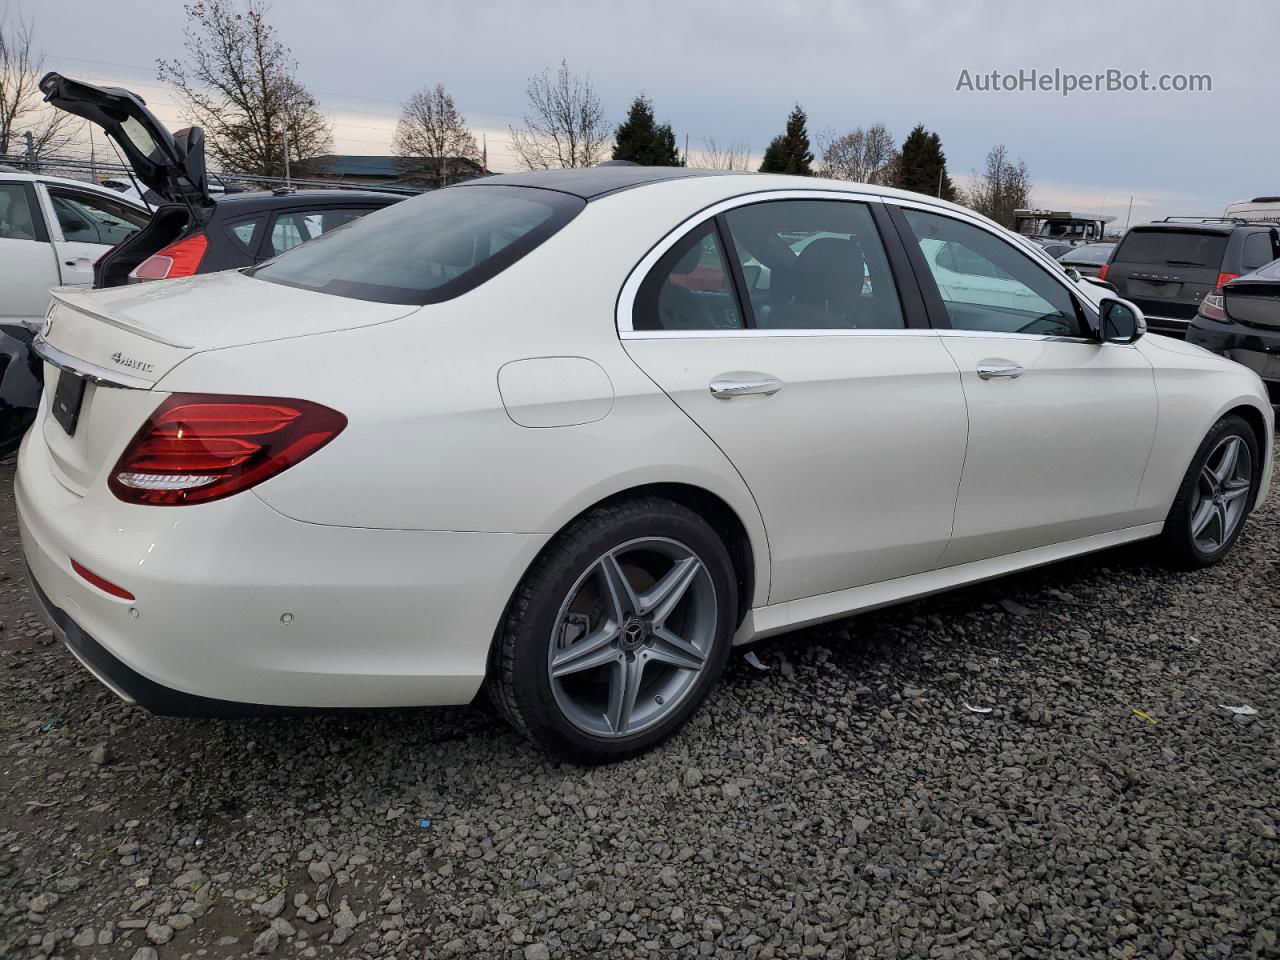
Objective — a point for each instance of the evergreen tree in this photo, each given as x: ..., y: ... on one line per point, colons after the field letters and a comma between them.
x: 789, y: 153
x: 643, y: 140
x: 922, y: 166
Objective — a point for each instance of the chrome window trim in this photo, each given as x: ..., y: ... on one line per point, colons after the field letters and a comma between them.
x: 631, y: 286
x: 792, y: 332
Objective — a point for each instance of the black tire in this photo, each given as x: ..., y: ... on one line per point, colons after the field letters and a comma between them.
x: 518, y: 680
x: 1176, y: 545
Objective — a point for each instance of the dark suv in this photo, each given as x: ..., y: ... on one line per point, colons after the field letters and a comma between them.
x: 1168, y: 267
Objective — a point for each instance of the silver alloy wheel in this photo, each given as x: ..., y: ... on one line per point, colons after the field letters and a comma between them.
x: 1222, y: 492
x: 632, y: 637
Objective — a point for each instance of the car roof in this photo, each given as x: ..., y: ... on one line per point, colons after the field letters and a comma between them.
x: 69, y: 182
x: 1200, y: 226
x: 592, y: 183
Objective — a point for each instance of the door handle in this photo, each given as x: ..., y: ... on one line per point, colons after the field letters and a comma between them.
x: 730, y: 385
x: 999, y: 369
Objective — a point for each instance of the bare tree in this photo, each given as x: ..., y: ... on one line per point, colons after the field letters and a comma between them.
x: 713, y: 156
x: 863, y: 156
x: 240, y: 84
x: 1001, y: 188
x: 565, y: 126
x: 22, y: 108
x: 432, y: 129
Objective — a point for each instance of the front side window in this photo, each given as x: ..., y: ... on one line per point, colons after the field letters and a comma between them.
x: 426, y: 249
x: 92, y: 219
x: 988, y: 285
x: 15, y: 213
x: 814, y: 265
x: 690, y: 288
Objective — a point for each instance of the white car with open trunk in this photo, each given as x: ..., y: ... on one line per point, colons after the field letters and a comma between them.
x: 544, y: 433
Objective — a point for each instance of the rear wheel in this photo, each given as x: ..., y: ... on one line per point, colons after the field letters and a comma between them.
x: 1215, y: 497
x: 617, y: 632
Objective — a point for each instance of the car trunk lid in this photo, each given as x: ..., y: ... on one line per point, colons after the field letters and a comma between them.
x: 170, y: 165
x: 108, y: 350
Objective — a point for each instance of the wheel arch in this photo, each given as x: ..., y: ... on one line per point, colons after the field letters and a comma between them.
x: 749, y: 559
x: 1257, y: 422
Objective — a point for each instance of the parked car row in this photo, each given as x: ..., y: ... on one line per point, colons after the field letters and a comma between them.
x: 56, y: 232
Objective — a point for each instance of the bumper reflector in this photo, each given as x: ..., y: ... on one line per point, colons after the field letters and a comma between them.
x: 106, y: 586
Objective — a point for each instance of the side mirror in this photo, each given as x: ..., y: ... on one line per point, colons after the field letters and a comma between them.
x: 1122, y: 322
x: 1073, y: 274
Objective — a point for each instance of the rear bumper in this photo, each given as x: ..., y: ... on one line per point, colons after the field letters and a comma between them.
x: 123, y: 681
x: 1168, y: 326
x: 1257, y: 349
x: 240, y: 607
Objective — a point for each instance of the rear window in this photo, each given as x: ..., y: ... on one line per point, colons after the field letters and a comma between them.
x: 1179, y: 248
x: 1090, y: 254
x: 428, y: 249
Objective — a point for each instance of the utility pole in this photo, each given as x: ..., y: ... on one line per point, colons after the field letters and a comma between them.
x: 1128, y: 215
x: 941, y: 171
x: 287, y: 185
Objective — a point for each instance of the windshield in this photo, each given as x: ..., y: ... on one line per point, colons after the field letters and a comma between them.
x: 1183, y: 248
x: 427, y: 249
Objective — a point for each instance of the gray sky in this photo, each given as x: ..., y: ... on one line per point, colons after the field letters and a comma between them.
x: 731, y: 69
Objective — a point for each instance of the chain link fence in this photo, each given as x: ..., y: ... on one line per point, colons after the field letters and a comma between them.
x: 97, y: 171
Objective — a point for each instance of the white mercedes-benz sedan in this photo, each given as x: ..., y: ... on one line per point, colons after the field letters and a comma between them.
x: 570, y: 436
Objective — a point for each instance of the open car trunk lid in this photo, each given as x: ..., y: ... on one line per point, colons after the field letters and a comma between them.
x: 106, y: 350
x: 171, y: 165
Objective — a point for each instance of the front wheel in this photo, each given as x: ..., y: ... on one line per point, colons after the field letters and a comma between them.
x: 617, y: 632
x: 1215, y: 497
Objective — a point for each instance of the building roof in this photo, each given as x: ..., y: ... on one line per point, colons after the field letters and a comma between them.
x: 355, y: 165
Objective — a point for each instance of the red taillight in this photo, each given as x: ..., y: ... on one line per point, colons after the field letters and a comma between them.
x: 181, y: 259
x: 1212, y: 306
x: 1102, y: 271
x: 1225, y: 278
x: 103, y: 584
x: 195, y: 448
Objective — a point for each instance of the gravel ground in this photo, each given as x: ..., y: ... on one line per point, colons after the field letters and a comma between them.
x: 849, y: 802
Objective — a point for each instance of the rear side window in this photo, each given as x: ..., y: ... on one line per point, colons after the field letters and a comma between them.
x: 299, y: 226
x: 1172, y: 248
x: 89, y: 218
x: 690, y: 288
x: 1258, y: 251
x: 814, y: 265
x: 427, y: 249
x: 246, y: 232
x: 16, y: 222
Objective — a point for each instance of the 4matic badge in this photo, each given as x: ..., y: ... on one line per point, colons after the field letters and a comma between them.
x: 132, y: 364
